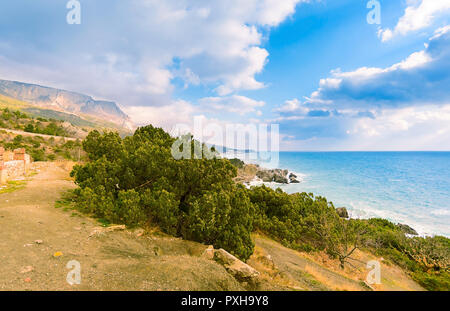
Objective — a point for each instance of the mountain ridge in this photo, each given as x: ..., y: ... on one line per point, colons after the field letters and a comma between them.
x: 65, y: 101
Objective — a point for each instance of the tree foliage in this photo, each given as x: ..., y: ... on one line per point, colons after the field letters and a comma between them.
x: 136, y: 179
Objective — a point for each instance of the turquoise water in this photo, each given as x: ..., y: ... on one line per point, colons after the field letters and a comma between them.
x: 405, y: 187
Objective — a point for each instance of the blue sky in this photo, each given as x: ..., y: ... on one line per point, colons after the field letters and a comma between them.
x: 331, y: 80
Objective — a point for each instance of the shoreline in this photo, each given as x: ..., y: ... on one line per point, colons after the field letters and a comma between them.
x: 416, y: 230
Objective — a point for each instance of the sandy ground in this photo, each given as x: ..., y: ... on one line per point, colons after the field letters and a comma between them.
x: 119, y: 260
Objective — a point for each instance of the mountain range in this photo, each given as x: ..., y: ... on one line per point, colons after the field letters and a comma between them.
x: 83, y: 106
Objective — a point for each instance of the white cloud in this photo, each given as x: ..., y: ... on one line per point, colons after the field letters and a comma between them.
x: 133, y: 53
x: 411, y: 128
x: 424, y: 127
x: 417, y: 16
x: 421, y: 77
x: 293, y: 107
x: 405, y: 106
x: 289, y: 106
x: 441, y: 31
x: 235, y: 104
x: 177, y: 112
x: 245, y: 78
x: 415, y: 60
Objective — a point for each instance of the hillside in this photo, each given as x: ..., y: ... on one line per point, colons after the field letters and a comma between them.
x: 82, y: 124
x: 134, y: 259
x: 135, y: 181
x: 67, y: 102
x: 178, y: 217
x: 44, y: 139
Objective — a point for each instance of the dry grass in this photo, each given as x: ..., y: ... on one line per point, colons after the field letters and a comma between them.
x: 315, y: 271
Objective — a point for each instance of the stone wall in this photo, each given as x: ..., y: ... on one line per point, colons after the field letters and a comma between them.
x: 13, y: 164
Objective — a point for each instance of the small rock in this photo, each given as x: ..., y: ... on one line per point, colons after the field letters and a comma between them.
x: 157, y: 250
x: 38, y: 241
x: 26, y: 269
x: 27, y: 280
x: 267, y: 261
x: 208, y: 253
x: 342, y: 212
x: 115, y: 228
x: 140, y: 232
x: 101, y: 230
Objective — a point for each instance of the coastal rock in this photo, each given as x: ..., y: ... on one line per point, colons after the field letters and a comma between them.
x: 249, y: 172
x: 238, y: 269
x: 342, y: 212
x: 293, y: 179
x: 407, y: 229
x: 274, y: 175
x: 280, y: 179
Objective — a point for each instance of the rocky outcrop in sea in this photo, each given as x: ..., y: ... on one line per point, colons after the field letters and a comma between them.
x: 252, y: 172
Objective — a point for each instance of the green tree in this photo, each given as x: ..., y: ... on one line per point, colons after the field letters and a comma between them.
x: 29, y: 128
x: 136, y: 179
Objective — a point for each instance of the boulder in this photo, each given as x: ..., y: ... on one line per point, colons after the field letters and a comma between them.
x: 342, y: 212
x: 407, y: 229
x: 238, y: 269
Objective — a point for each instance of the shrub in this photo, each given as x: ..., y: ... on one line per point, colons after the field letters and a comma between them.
x: 237, y: 162
x: 136, y: 179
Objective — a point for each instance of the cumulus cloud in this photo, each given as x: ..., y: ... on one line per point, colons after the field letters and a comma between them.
x: 165, y: 116
x: 292, y: 105
x: 418, y: 15
x: 138, y: 47
x: 405, y: 106
x: 295, y: 109
x: 409, y: 128
x: 184, y: 112
x: 421, y: 78
x: 235, y: 104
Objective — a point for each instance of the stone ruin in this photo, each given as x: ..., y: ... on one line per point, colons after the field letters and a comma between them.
x: 13, y: 164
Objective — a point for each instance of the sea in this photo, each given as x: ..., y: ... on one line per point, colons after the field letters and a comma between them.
x: 404, y: 187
